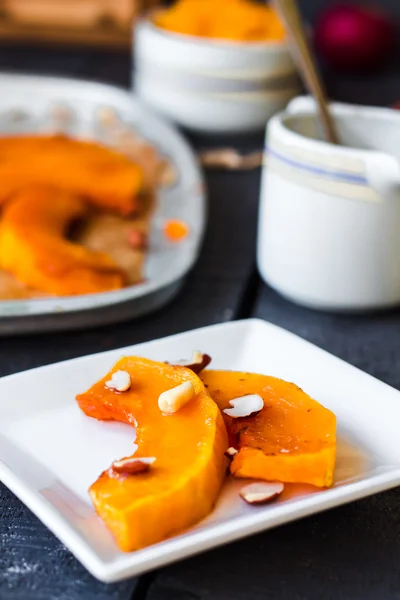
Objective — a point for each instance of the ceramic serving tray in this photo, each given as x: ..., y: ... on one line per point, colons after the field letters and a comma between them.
x: 50, y: 452
x: 30, y: 104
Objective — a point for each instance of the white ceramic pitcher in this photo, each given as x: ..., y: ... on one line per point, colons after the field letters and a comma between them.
x: 329, y: 227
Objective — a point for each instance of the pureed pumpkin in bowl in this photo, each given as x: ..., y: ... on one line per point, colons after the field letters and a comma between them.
x: 192, y: 423
x: 236, y: 20
x: 215, y: 65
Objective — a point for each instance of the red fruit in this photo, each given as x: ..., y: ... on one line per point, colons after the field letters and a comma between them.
x: 354, y: 38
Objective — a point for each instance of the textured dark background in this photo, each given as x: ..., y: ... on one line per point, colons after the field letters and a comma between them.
x: 310, y: 8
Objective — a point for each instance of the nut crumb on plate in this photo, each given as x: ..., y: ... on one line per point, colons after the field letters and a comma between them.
x: 261, y: 493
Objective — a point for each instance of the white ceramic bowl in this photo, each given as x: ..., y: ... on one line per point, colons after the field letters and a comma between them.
x: 329, y: 227
x: 212, y: 85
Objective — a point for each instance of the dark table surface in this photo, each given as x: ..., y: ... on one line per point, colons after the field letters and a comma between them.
x: 350, y: 553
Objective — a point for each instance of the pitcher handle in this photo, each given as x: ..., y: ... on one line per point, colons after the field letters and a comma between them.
x: 383, y: 174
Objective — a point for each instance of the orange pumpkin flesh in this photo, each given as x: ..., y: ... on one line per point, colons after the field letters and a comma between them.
x: 105, y: 177
x: 237, y: 20
x: 292, y: 439
x: 33, y: 247
x: 181, y: 487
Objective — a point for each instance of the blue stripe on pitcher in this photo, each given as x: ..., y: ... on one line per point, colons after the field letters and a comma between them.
x: 320, y: 171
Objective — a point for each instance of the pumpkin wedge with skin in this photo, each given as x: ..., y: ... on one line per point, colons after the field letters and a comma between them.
x: 33, y: 246
x: 182, y: 485
x: 99, y: 174
x: 292, y: 439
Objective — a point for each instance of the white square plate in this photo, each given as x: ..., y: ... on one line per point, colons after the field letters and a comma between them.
x: 50, y: 452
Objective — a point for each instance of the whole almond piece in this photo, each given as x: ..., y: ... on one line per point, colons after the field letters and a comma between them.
x: 172, y: 400
x: 261, y: 493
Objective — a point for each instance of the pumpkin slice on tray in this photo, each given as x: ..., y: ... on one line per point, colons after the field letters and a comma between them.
x: 291, y: 439
x: 145, y: 501
x: 33, y: 246
x: 105, y: 177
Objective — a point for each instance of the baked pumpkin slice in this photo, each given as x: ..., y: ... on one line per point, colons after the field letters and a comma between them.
x: 183, y: 483
x: 101, y: 175
x: 292, y: 439
x: 34, y: 248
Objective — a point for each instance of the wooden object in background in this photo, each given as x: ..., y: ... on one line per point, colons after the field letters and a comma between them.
x: 97, y: 22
